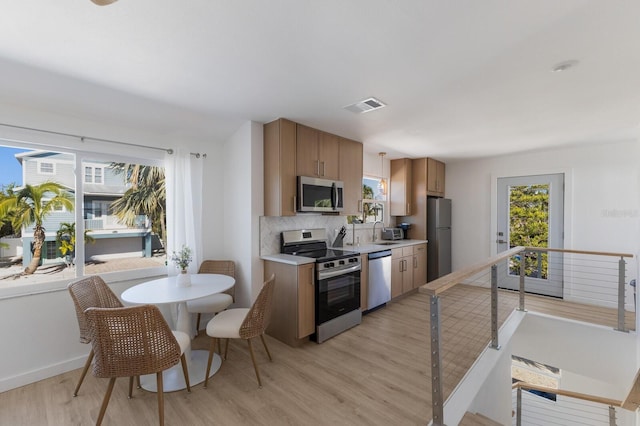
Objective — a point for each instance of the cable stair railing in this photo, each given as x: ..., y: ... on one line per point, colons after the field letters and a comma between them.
x: 608, y: 282
x: 577, y: 408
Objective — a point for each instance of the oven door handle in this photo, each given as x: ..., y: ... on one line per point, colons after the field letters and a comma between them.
x: 330, y: 274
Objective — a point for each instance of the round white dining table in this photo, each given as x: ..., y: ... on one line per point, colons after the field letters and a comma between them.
x: 164, y: 291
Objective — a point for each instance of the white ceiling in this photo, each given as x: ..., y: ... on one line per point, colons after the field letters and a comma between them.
x: 462, y: 78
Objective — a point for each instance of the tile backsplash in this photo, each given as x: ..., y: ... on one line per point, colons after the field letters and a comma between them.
x: 272, y: 226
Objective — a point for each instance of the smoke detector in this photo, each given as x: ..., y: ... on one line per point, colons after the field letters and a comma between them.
x: 365, y: 105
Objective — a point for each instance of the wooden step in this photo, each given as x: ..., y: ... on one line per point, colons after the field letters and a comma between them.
x: 477, y: 419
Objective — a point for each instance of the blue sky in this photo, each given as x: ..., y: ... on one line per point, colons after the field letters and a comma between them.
x: 10, y: 170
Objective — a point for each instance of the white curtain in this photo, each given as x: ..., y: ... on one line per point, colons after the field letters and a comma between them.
x: 183, y: 174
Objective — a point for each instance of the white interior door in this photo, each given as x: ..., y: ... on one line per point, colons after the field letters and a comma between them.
x: 531, y: 214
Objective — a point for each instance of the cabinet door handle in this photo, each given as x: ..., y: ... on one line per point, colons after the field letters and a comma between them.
x: 408, y: 208
x: 415, y: 262
x: 294, y: 203
x: 360, y: 206
x: 400, y: 266
x: 318, y: 167
x: 322, y: 168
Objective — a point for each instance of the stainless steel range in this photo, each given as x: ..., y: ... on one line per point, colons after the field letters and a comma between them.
x: 337, y: 296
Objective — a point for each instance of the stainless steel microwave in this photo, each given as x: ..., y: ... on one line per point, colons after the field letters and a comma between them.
x: 320, y: 195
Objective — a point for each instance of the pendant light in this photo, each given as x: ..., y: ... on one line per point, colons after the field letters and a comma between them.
x: 382, y: 186
x: 103, y: 2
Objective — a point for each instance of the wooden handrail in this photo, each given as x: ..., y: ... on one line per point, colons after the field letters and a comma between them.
x: 595, y: 253
x: 441, y: 284
x: 577, y: 395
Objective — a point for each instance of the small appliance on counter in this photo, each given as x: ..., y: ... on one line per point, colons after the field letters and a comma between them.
x: 405, y: 228
x: 392, y: 234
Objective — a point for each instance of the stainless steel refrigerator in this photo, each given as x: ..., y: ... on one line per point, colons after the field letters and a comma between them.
x: 439, y: 237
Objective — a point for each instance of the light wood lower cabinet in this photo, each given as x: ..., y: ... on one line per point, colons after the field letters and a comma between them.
x: 408, y: 268
x: 293, y: 310
x: 364, y: 283
x: 419, y: 265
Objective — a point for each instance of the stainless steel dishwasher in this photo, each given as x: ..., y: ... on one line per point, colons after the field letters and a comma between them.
x: 379, y: 291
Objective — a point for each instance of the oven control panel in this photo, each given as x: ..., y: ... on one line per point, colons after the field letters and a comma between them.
x: 337, y: 264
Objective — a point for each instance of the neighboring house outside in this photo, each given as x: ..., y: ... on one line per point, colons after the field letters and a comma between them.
x: 101, y: 186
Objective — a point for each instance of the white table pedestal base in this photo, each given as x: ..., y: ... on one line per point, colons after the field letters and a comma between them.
x: 173, y: 378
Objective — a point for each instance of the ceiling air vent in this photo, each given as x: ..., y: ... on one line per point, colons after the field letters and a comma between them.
x: 366, y: 105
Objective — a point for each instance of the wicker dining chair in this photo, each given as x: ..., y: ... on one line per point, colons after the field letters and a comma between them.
x: 216, y: 302
x: 135, y: 341
x: 243, y: 323
x: 90, y: 292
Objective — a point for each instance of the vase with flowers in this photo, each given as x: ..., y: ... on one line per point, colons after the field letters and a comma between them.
x: 182, y: 259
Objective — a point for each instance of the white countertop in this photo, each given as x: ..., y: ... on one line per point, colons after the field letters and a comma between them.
x: 363, y: 249
x: 373, y: 247
x: 288, y: 258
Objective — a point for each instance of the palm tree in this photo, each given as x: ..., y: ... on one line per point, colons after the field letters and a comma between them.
x: 31, y: 205
x: 147, y: 196
x: 66, y: 237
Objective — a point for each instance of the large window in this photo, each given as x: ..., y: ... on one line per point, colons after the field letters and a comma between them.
x: 108, y: 220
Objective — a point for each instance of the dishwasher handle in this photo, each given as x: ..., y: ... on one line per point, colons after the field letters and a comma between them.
x: 379, y: 254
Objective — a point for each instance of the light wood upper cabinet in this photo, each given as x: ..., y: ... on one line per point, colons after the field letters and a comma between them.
x: 317, y: 153
x: 435, y: 177
x: 280, y: 168
x: 292, y: 150
x: 351, y: 175
x: 425, y: 172
x: 400, y: 192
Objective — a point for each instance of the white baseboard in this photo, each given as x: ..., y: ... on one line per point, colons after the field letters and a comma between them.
x: 19, y: 380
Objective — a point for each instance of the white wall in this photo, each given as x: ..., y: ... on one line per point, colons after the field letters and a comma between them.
x: 602, y: 198
x: 598, y: 353
x: 243, y: 205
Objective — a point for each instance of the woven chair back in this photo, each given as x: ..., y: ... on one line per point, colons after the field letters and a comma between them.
x: 224, y: 267
x: 258, y: 317
x: 131, y: 341
x: 90, y: 292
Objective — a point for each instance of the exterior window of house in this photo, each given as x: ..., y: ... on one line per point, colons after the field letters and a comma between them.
x: 93, y: 174
x: 51, y: 250
x: 46, y: 168
x: 97, y: 175
x: 121, y: 229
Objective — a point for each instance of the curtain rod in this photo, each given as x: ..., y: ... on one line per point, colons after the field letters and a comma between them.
x: 83, y: 138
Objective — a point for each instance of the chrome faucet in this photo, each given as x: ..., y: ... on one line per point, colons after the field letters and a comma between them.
x: 374, y: 238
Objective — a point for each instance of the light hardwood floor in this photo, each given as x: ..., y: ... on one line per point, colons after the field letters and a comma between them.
x: 374, y: 374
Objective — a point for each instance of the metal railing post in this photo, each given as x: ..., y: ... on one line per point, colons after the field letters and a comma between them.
x: 519, y: 407
x: 612, y: 416
x: 436, y: 363
x: 523, y: 255
x: 621, y: 272
x: 494, y: 307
